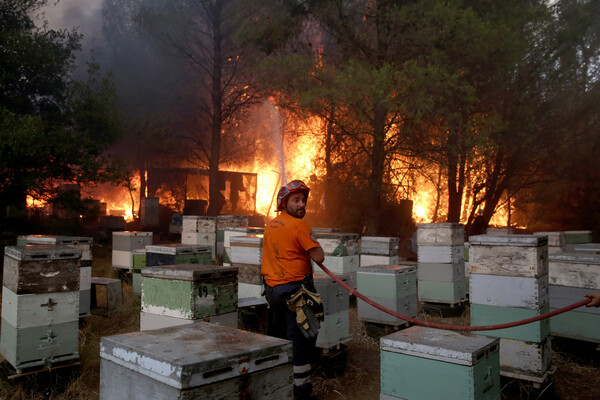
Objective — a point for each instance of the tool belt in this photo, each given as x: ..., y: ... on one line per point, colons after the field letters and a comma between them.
x: 308, y: 306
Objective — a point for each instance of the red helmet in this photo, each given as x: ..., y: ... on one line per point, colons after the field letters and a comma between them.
x: 289, y: 188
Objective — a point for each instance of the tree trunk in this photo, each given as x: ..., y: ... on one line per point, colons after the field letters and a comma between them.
x: 377, y: 167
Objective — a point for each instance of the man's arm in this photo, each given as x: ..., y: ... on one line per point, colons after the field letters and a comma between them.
x: 316, y: 253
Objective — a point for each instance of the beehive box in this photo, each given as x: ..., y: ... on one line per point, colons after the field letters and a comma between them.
x: 509, y: 255
x: 123, y: 245
x: 555, y: 238
x: 325, y: 230
x: 139, y: 259
x: 379, y: 245
x: 578, y: 237
x: 442, y: 292
x: 426, y: 363
x: 482, y: 314
x: 499, y: 231
x: 189, y: 291
x: 29, y: 310
x: 587, y: 248
x: 85, y: 290
x: 230, y: 232
x: 575, y: 270
x: 203, y: 361
x: 203, y: 239
x: 35, y: 269
x: 392, y: 286
x: 248, y: 290
x: 78, y: 242
x: 340, y: 265
x: 247, y: 249
x: 335, y: 329
x: 198, y: 224
x: 582, y: 323
x: 371, y: 259
x: 177, y: 253
x: 440, y: 254
x: 440, y: 234
x: 150, y: 321
x: 509, y: 291
x: 335, y: 297
x: 338, y: 244
x: 519, y: 359
x: 441, y: 272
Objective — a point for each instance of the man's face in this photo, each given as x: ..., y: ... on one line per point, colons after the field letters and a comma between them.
x: 296, y: 205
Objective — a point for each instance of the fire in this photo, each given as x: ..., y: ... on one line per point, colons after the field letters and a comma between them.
x: 35, y: 203
x: 118, y: 200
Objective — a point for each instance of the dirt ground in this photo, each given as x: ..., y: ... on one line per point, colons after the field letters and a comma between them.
x: 576, y: 365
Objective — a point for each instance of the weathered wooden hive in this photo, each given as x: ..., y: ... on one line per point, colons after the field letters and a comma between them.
x: 177, y: 253
x: 246, y: 256
x: 571, y: 277
x: 425, y: 363
x: 123, y: 245
x: 378, y: 250
x: 40, y: 305
x: 210, y: 231
x: 509, y: 282
x: 180, y: 294
x: 341, y: 254
x: 441, y: 271
x: 392, y: 286
x: 85, y: 270
x: 335, y: 329
x: 198, y: 361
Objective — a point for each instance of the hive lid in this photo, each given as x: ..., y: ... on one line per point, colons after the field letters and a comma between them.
x: 58, y: 239
x: 177, y: 248
x: 197, y: 354
x: 335, y: 235
x: 189, y: 272
x: 404, y: 268
x: 42, y: 252
x: 508, y: 240
x: 438, y: 225
x: 384, y: 239
x: 575, y: 258
x: 252, y: 240
x: 439, y: 344
x: 131, y: 233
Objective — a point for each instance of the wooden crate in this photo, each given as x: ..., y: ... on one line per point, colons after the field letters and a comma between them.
x: 426, y: 363
x: 442, y: 292
x: 440, y: 254
x: 246, y: 249
x: 177, y: 253
x: 441, y: 272
x: 520, y: 359
x: 482, y: 314
x: 203, y: 361
x: 575, y: 270
x: 440, y: 234
x: 509, y: 255
x: 35, y: 269
x: 379, y: 245
x: 230, y: 232
x: 509, y: 291
x: 29, y: 310
x: 338, y: 244
x: 372, y: 259
x: 189, y: 291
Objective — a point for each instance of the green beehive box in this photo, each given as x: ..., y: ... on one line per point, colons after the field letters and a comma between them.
x: 139, y: 259
x: 388, y: 281
x: 576, y: 325
x: 176, y: 254
x: 482, y: 314
x: 189, y: 291
x: 136, y: 282
x: 578, y: 237
x: 442, y: 292
x: 424, y: 363
x: 39, y: 345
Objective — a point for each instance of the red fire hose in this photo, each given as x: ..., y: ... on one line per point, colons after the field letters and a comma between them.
x: 452, y: 327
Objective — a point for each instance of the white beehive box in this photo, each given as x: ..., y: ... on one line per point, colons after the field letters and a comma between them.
x: 371, y: 259
x: 440, y: 254
x: 123, y: 244
x: 440, y: 234
x: 230, y: 232
x: 247, y: 249
x: 198, y: 224
x: 379, y: 245
x: 338, y: 244
x: 509, y: 255
x: 509, y: 291
x: 441, y: 272
x: 576, y: 270
x: 200, y: 360
x: 529, y: 360
x: 426, y: 363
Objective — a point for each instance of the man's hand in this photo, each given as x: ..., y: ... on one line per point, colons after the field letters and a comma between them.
x: 595, y: 299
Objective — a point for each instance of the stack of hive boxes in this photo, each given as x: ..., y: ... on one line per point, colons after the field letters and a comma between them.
x: 341, y: 254
x: 392, y: 286
x: 224, y: 222
x: 177, y: 253
x: 556, y: 241
x: 139, y: 262
x: 40, y: 305
x: 209, y: 231
x: 509, y: 282
x: 123, y: 245
x: 426, y: 363
x: 246, y: 256
x: 571, y: 277
x: 441, y: 271
x: 574, y: 238
x: 85, y: 271
x: 230, y: 232
x: 199, y: 361
x: 375, y: 250
x: 182, y: 294
x: 335, y: 329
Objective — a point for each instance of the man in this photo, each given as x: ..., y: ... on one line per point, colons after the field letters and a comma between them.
x: 288, y: 246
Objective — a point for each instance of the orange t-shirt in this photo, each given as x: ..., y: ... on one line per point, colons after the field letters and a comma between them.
x: 286, y: 242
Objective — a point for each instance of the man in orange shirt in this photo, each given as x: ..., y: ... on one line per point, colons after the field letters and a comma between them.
x: 288, y: 246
